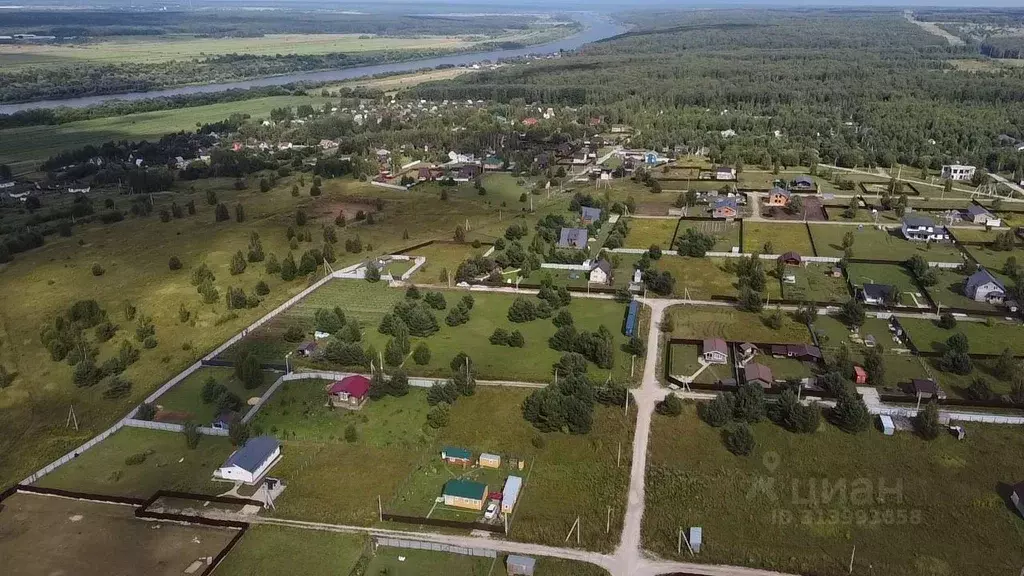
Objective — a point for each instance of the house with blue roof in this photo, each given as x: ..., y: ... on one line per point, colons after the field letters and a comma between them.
x: 251, y: 462
x: 982, y: 286
x: 573, y: 238
x: 590, y: 215
x: 725, y: 208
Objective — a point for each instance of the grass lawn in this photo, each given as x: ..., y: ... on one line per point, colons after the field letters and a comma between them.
x: 889, y: 274
x: 899, y: 367
x: 186, y: 396
x: 983, y: 339
x: 734, y: 325
x: 427, y: 563
x: 994, y: 260
x: 703, y: 277
x: 268, y: 550
x: 369, y: 302
x: 726, y: 234
x: 782, y: 237
x: 565, y: 476
x: 879, y: 244
x: 685, y: 363
x: 440, y: 257
x: 978, y: 234
x: 950, y: 292
x: 784, y: 368
x: 169, y: 465
x: 647, y: 232
x: 902, y: 494
x: 814, y: 283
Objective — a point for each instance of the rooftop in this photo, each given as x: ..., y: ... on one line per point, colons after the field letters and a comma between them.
x: 255, y: 452
x: 465, y: 489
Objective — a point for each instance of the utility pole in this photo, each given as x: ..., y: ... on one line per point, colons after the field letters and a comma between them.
x: 380, y: 509
x: 72, y: 418
x: 608, y: 522
x: 852, y: 555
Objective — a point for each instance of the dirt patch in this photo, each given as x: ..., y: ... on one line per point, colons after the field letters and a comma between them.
x: 652, y: 209
x: 44, y: 535
x: 172, y: 416
x: 813, y: 211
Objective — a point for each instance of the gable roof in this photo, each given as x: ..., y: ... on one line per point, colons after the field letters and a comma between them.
x: 918, y: 221
x: 877, y: 291
x: 715, y: 345
x: 754, y: 371
x: 803, y: 350
x: 924, y: 386
x: 457, y: 453
x: 980, y: 278
x: 976, y: 210
x: 725, y: 203
x: 465, y: 489
x: 589, y: 213
x: 356, y: 386
x: 779, y: 191
x: 790, y: 257
x: 576, y: 237
x: 255, y: 452
x: 528, y: 563
x: 603, y: 265
x: 804, y: 180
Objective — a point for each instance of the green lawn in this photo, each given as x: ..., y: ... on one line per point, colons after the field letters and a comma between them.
x: 369, y: 302
x: 978, y: 234
x: 440, y: 257
x: 950, y: 292
x: 784, y: 368
x: 186, y: 396
x: 426, y: 563
x: 268, y: 550
x: 734, y: 325
x: 983, y: 339
x: 169, y: 465
x: 782, y: 237
x: 814, y: 283
x: 685, y: 363
x: 726, y: 234
x: 884, y: 495
x: 994, y: 260
x: 647, y: 232
x: 879, y: 244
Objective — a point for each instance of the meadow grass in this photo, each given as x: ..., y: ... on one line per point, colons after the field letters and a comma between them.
x: 267, y: 550
x: 734, y: 325
x: 782, y: 237
x: 875, y: 244
x: 646, y: 232
x: 187, y: 396
x: 814, y: 283
x: 169, y: 465
x: 910, y: 492
x: 982, y: 337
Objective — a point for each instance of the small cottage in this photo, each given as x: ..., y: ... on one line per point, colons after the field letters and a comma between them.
x: 464, y: 494
x: 778, y: 197
x: 601, y: 273
x: 459, y: 456
x: 350, y: 392
x: 715, y: 351
x: 573, y: 238
x: 510, y: 493
x: 758, y: 374
x: 251, y: 462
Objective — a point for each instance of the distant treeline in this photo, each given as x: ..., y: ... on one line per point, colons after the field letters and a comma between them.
x: 1003, y: 47
x: 248, y: 23
x: 86, y: 79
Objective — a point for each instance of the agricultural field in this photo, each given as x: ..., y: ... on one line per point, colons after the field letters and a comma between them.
x: 734, y: 325
x: 267, y: 550
x: 184, y: 401
x: 984, y: 337
x: 875, y: 244
x: 815, y: 283
x: 912, y: 492
x: 25, y: 148
x: 368, y: 303
x: 50, y: 535
x: 393, y: 434
x: 168, y: 464
x: 782, y: 237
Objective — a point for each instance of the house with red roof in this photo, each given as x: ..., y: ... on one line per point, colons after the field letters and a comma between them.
x: 349, y: 392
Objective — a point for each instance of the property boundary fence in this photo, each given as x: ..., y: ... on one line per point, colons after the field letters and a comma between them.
x: 35, y: 476
x: 434, y: 547
x: 170, y: 427
x: 443, y: 523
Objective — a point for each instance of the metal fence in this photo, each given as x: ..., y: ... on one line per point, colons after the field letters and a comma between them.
x: 170, y: 427
x: 74, y: 453
x: 434, y: 547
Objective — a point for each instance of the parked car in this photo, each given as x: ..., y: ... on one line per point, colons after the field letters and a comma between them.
x: 492, y: 511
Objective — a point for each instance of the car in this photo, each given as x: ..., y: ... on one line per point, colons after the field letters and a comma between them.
x: 492, y: 511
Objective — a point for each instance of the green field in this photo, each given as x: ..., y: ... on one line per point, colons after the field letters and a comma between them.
x: 734, y: 325
x: 647, y: 232
x: 901, y: 493
x: 186, y: 396
x: 369, y: 302
x: 879, y: 244
x: 392, y: 434
x: 783, y: 238
x: 983, y: 339
x: 169, y: 465
x: 814, y: 283
x: 24, y: 148
x: 268, y: 550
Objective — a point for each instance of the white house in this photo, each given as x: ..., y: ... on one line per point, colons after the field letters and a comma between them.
x: 877, y: 294
x: 980, y: 215
x: 715, y: 351
x: 958, y: 172
x: 923, y: 229
x: 982, y: 286
x: 251, y: 462
x: 725, y: 173
x: 601, y: 273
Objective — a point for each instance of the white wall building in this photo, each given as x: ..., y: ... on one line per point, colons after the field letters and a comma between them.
x: 958, y: 172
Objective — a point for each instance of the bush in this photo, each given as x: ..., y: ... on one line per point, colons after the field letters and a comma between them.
x: 421, y: 355
x: 98, y: 270
x: 850, y: 413
x: 516, y: 340
x: 750, y: 404
x: 191, y: 433
x: 146, y: 411
x: 718, y: 412
x: 174, y: 263
x: 563, y: 318
x: 435, y: 300
x: 947, y: 321
x: 499, y: 337
x: 927, y: 422
x: 670, y: 406
x: 980, y: 390
x: 458, y: 316
x: 262, y: 289
x: 294, y: 334
x: 740, y: 439
x: 439, y: 415
x: 149, y: 343
x: 522, y: 310
x: 351, y: 435
x: 106, y: 331
x: 135, y: 459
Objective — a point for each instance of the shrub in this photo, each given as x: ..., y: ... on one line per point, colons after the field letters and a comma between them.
x: 458, y: 316
x: 294, y: 334
x: 149, y: 343
x: 351, y: 435
x: 980, y: 390
x: 499, y: 337
x: 947, y: 321
x: 850, y: 413
x: 174, y: 263
x: 435, y: 300
x: 563, y: 318
x: 516, y: 340
x: 262, y: 289
x: 106, y: 331
x: 98, y: 270
x: 522, y: 310
x: 740, y: 439
x: 718, y: 412
x: 750, y: 404
x: 468, y: 301
x: 191, y: 433
x: 135, y: 459
x: 439, y: 415
x: 422, y: 354
x: 146, y: 411
x: 927, y: 422
x: 117, y: 387
x: 413, y: 293
x: 670, y: 406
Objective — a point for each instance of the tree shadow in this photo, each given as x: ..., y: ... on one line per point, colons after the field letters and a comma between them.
x: 1005, y: 490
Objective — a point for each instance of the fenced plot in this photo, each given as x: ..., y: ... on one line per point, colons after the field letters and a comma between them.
x: 647, y: 232
x: 873, y: 244
x: 814, y: 283
x: 50, y: 535
x: 757, y: 236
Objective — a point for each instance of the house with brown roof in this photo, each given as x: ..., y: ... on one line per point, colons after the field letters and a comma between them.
x: 926, y: 389
x: 791, y: 258
x: 759, y: 374
x: 715, y: 351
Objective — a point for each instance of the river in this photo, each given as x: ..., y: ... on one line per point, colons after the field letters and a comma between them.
x: 596, y: 28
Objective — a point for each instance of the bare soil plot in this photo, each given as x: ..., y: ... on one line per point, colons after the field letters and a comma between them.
x: 45, y: 536
x: 812, y: 210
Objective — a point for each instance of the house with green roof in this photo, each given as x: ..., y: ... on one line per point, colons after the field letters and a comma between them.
x: 454, y: 455
x: 465, y: 494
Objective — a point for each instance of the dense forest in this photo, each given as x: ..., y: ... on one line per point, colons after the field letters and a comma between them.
x: 1003, y: 46
x: 853, y: 88
x: 89, y: 23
